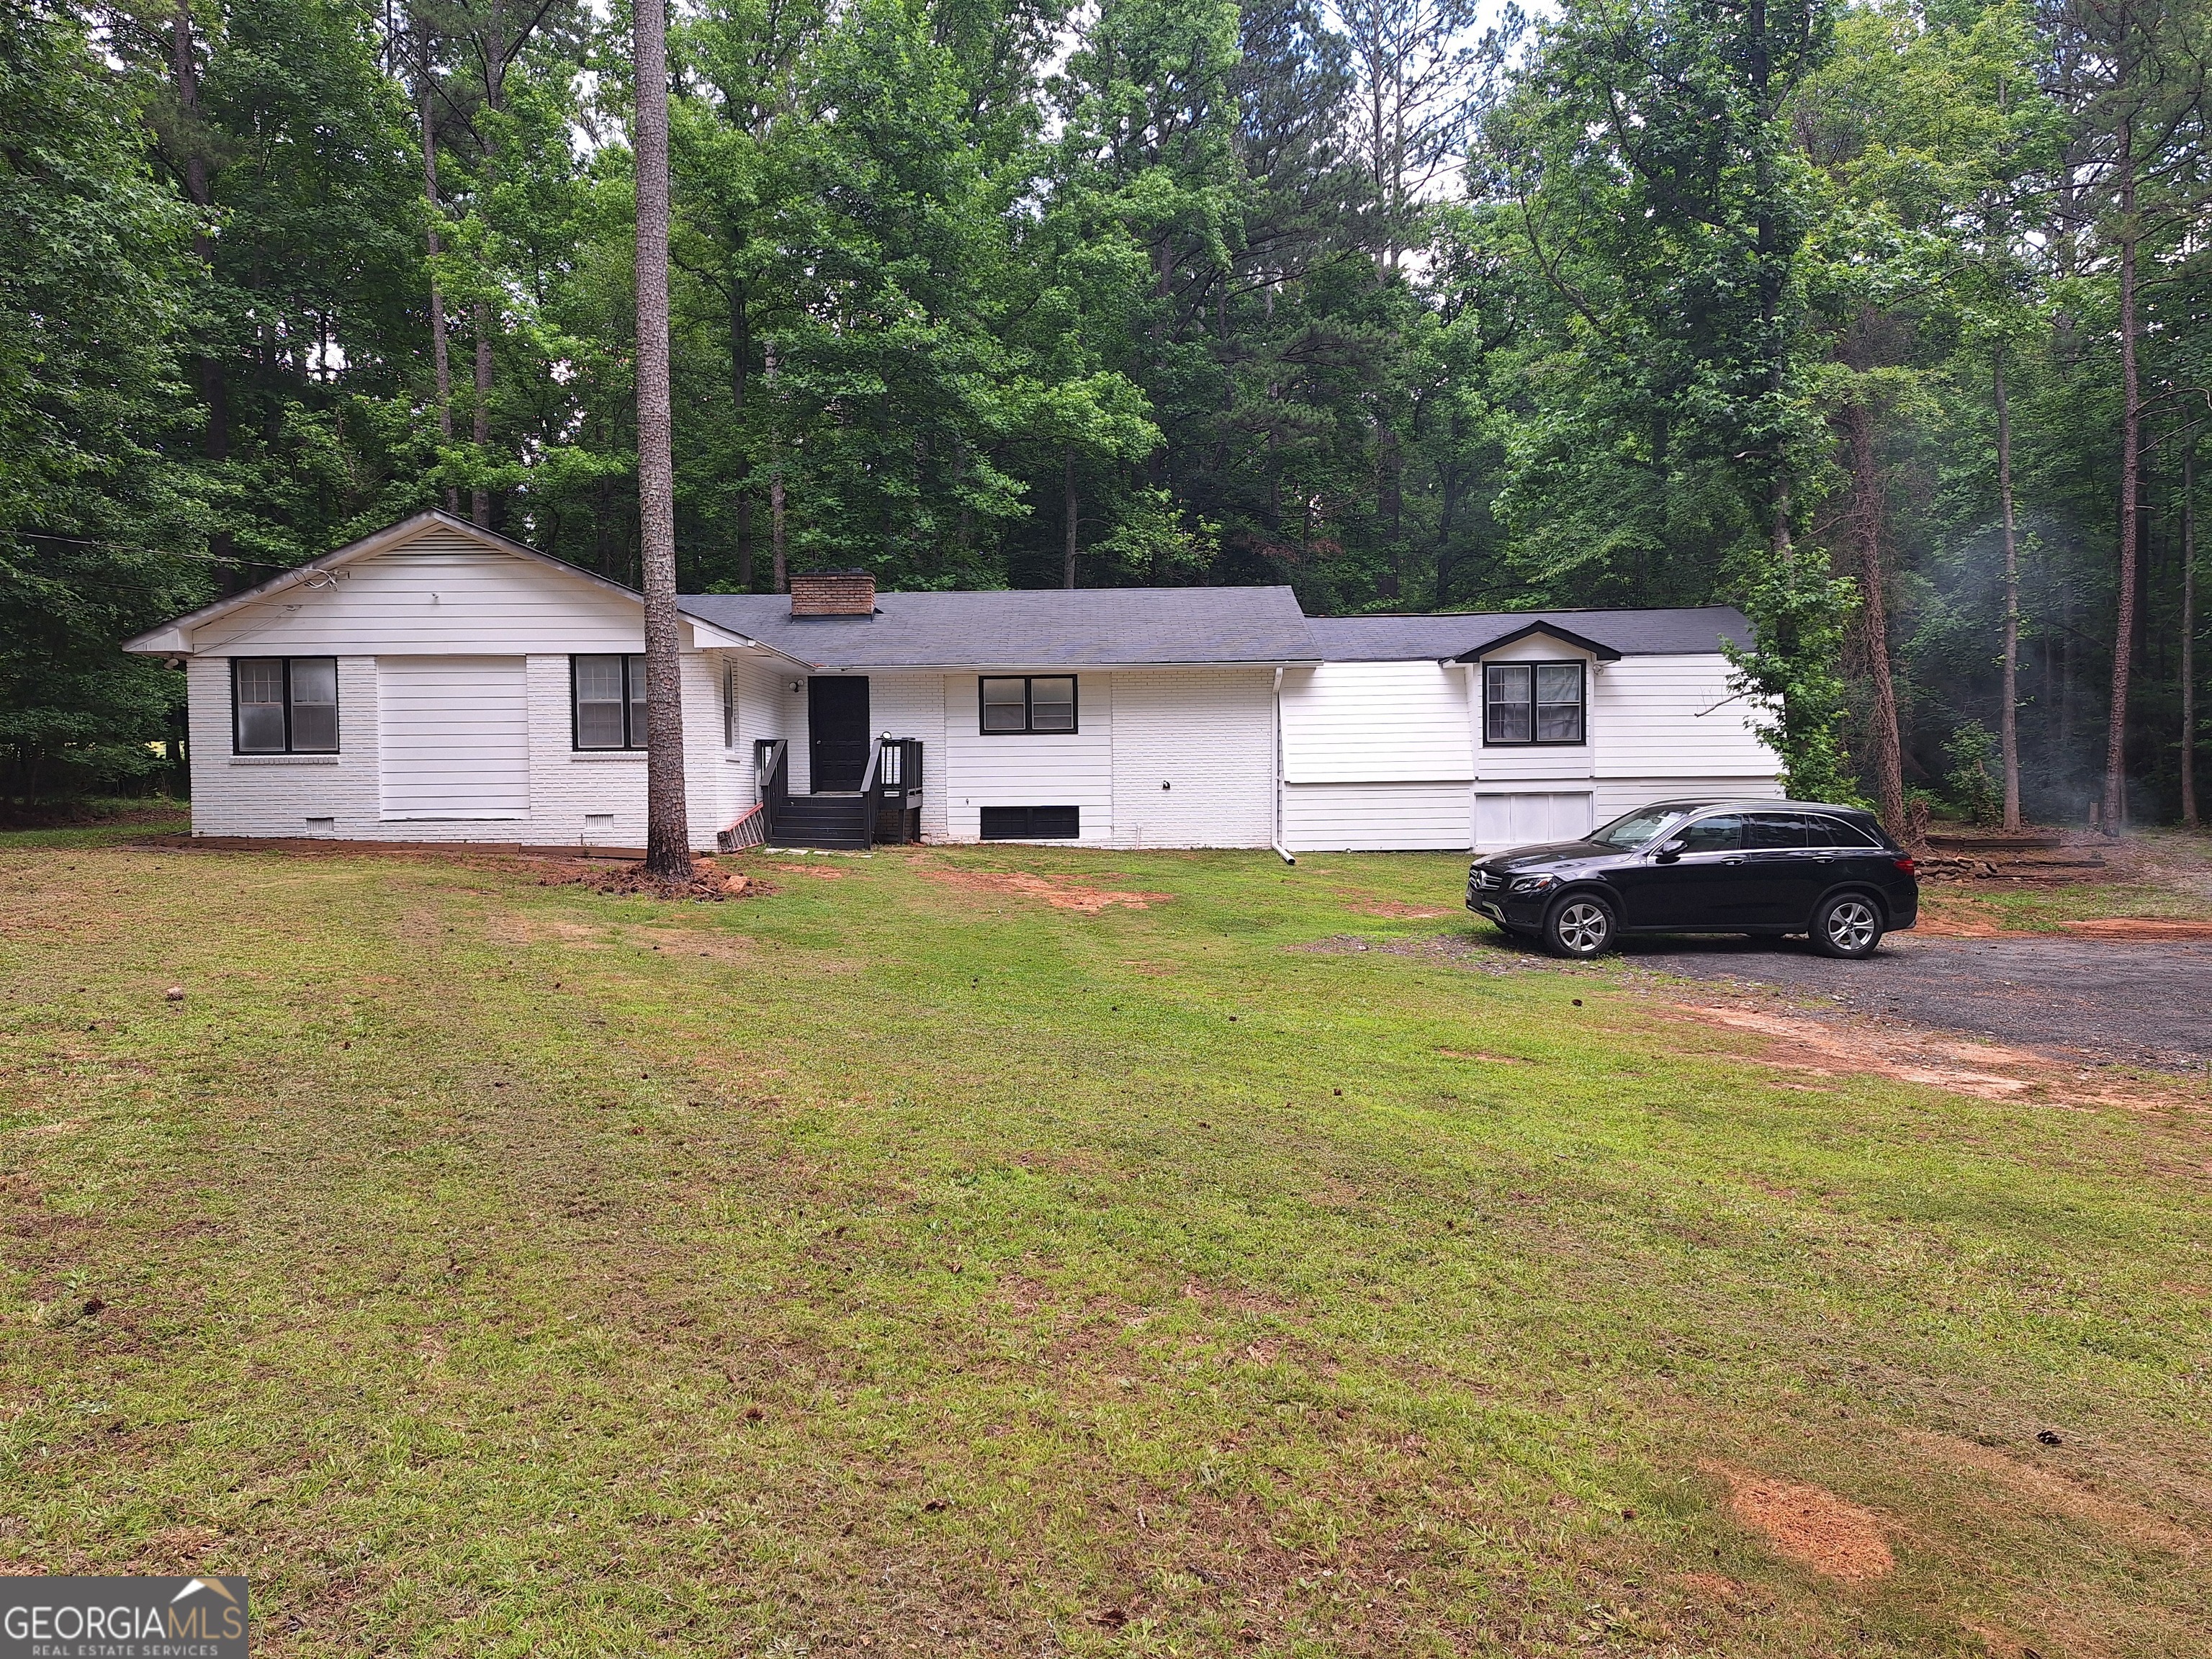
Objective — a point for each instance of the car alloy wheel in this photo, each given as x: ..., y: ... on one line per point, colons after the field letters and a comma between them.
x: 1849, y: 927
x: 1581, y: 927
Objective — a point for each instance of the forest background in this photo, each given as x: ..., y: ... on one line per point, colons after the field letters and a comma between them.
x: 1884, y: 322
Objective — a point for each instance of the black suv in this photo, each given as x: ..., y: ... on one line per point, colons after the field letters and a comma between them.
x: 1706, y: 866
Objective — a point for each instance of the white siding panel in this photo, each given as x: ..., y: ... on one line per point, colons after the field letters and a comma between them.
x: 1207, y: 734
x: 440, y: 594
x: 1675, y: 717
x: 1615, y: 796
x: 1074, y: 768
x: 1350, y: 722
x: 1375, y: 818
x: 453, y: 737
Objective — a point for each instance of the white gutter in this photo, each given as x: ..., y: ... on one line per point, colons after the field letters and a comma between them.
x: 1281, y: 850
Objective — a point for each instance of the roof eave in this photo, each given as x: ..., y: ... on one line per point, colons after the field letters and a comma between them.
x: 1034, y: 666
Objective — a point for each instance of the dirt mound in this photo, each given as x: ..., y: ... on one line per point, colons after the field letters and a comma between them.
x: 1061, y: 893
x: 1808, y: 1525
x: 2134, y: 927
x: 706, y: 885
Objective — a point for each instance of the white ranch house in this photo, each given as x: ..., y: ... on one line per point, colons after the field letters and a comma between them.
x: 437, y: 682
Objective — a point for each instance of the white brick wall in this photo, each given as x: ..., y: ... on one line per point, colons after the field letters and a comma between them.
x: 258, y: 795
x: 1209, y: 734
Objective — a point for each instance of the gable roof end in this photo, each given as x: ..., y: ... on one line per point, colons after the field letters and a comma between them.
x: 1567, y: 636
x: 174, y: 637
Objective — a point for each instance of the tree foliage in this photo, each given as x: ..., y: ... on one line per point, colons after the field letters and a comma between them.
x: 1649, y: 302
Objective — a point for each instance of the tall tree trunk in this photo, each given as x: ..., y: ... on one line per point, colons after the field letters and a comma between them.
x: 741, y: 353
x: 480, y: 430
x: 1447, y: 510
x: 667, y: 830
x: 1885, y: 752
x: 1271, y: 515
x: 781, y: 570
x: 214, y: 390
x: 495, y: 49
x: 2188, y: 634
x: 1390, y: 503
x: 440, y: 360
x: 1068, y: 508
x: 2008, y: 722
x: 2124, y: 624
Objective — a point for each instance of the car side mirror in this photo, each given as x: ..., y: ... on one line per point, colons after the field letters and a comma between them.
x: 1671, y: 851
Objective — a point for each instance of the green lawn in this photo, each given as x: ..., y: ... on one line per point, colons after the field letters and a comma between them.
x: 892, y: 1265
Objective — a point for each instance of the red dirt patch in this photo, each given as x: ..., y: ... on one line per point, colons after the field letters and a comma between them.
x: 1808, y: 1525
x: 2134, y: 927
x: 1061, y: 893
x: 1936, y: 924
x: 1824, y: 1048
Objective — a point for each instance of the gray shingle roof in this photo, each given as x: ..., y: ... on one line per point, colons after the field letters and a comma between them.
x: 1027, y: 627
x: 1632, y: 633
x: 1095, y: 627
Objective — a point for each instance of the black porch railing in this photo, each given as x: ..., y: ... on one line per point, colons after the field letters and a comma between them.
x: 772, y: 762
x: 896, y: 802
x: 886, y: 807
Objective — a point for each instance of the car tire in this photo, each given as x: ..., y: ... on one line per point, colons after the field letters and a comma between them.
x: 1847, y: 926
x: 1579, y: 927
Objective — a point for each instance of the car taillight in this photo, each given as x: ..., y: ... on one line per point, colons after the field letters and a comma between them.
x: 1904, y: 864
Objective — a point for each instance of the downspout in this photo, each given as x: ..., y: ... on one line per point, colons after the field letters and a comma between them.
x: 1280, y: 851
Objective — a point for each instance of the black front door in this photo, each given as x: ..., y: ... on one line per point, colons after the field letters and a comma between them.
x: 836, y: 731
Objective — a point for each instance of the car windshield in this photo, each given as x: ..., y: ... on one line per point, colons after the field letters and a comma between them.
x: 1633, y: 831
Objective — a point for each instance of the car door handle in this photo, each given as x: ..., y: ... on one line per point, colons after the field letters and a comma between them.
x: 1728, y: 863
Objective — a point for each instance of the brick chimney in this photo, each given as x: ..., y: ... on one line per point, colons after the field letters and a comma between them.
x: 833, y: 594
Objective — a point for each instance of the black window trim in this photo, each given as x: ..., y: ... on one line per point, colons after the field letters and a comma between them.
x: 1029, y: 728
x: 237, y: 748
x: 632, y: 743
x: 1533, y: 741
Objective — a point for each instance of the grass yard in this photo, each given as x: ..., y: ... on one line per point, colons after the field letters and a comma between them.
x: 900, y: 1263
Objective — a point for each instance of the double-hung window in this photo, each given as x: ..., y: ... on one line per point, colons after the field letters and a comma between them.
x: 284, y: 705
x: 1532, y: 702
x: 1028, y: 702
x: 610, y: 701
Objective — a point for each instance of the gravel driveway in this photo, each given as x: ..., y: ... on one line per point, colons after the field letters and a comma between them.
x: 2138, y: 1002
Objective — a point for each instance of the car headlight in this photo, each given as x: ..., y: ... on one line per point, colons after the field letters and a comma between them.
x: 1534, y: 883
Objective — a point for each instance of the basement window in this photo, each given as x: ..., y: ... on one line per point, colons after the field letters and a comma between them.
x: 1532, y: 702
x: 1027, y: 702
x: 609, y: 698
x: 284, y: 705
x: 1032, y: 823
